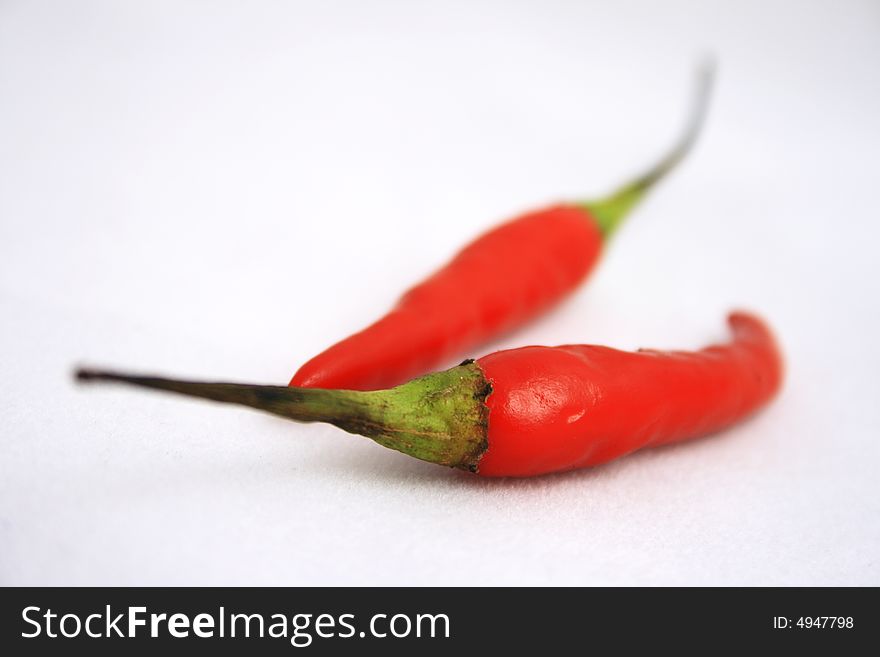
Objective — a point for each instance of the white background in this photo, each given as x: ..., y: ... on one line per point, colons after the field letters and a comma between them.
x: 222, y: 190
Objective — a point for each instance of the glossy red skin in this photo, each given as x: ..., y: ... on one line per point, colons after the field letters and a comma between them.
x: 560, y: 408
x: 498, y: 282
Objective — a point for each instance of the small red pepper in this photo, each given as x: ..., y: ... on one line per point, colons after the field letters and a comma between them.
x: 500, y: 281
x: 535, y: 410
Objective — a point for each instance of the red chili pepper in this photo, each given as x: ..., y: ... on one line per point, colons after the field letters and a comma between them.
x: 534, y: 410
x: 503, y: 279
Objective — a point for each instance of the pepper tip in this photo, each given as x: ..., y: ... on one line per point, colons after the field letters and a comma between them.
x: 81, y: 374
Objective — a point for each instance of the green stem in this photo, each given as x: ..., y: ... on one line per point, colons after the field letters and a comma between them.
x: 440, y: 418
x: 609, y: 212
